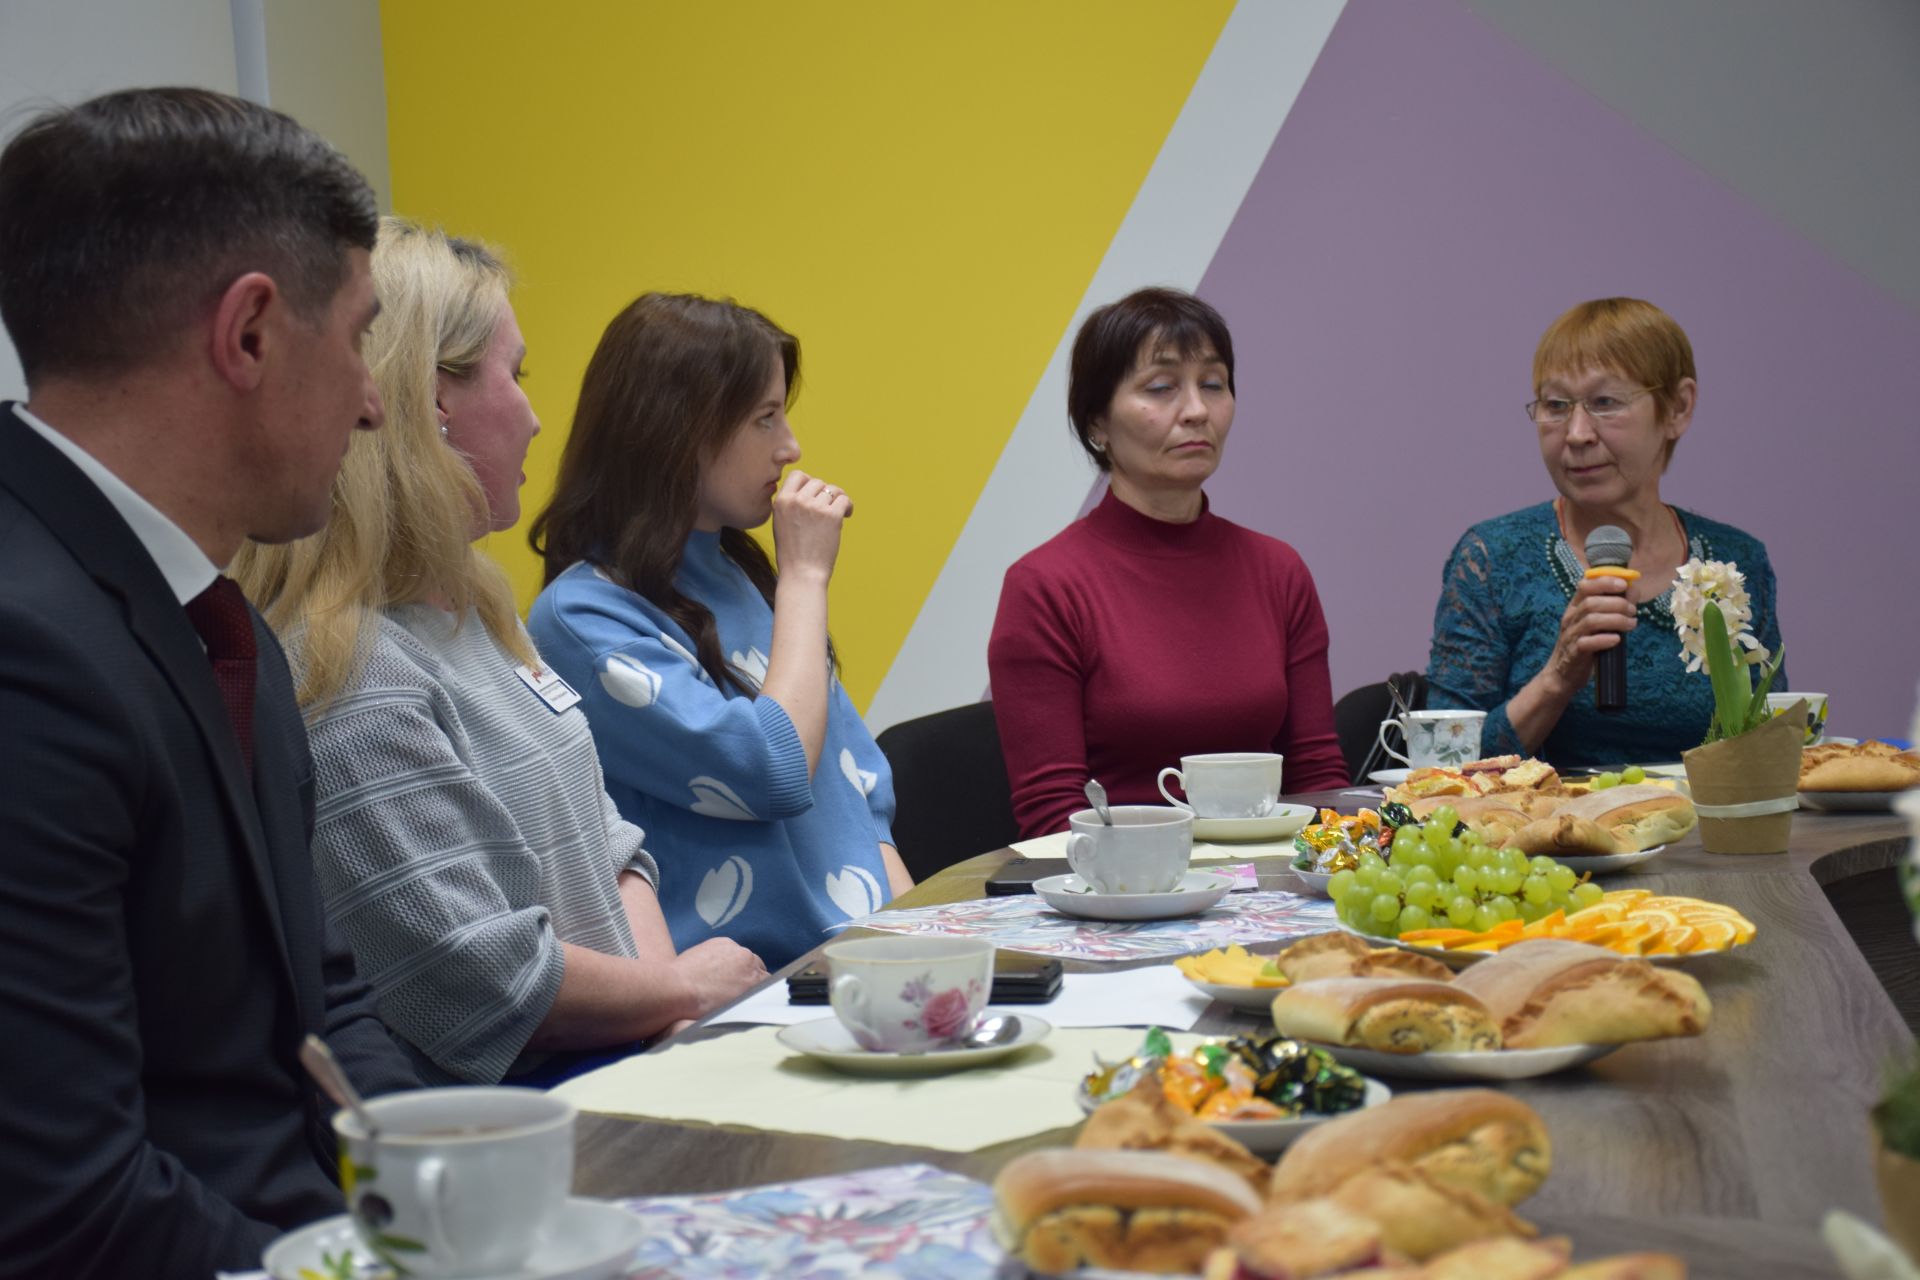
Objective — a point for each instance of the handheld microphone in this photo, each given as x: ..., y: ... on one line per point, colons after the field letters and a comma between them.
x: 1609, y: 548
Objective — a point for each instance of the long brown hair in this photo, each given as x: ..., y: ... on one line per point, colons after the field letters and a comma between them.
x: 674, y: 376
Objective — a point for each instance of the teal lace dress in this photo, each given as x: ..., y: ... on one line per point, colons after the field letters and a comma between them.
x: 1507, y: 583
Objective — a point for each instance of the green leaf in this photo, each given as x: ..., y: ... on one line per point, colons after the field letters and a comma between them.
x: 1732, y: 691
x: 1757, y: 711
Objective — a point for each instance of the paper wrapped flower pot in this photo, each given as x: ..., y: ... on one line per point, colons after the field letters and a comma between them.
x: 1746, y: 788
x: 1899, y: 1180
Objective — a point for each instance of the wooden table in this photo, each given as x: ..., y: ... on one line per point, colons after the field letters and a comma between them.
x: 1727, y: 1148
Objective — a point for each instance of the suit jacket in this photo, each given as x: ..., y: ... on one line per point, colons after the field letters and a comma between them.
x: 162, y: 949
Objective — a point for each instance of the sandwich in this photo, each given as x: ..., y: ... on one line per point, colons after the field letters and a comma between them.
x: 1128, y: 1210
x: 1145, y: 1119
x: 1617, y: 820
x: 1476, y: 1139
x: 1552, y: 991
x: 1388, y: 1014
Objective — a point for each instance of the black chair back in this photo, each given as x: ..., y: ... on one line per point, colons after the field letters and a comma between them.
x: 1357, y: 717
x: 950, y: 788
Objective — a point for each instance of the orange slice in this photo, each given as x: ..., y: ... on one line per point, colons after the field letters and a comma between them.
x: 1714, y: 935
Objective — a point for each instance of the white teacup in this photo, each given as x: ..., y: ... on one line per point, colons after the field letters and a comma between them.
x: 1436, y: 739
x: 458, y: 1181
x: 1145, y: 850
x: 1780, y: 703
x: 908, y: 995
x: 1227, y: 784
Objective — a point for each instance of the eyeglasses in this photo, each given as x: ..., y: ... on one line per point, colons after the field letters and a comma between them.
x: 1557, y: 411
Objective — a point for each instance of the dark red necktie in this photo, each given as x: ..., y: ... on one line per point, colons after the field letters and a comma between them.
x: 220, y: 615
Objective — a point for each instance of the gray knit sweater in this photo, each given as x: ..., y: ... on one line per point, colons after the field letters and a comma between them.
x: 463, y: 832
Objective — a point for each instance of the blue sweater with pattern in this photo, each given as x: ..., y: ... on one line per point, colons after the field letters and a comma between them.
x: 749, y: 847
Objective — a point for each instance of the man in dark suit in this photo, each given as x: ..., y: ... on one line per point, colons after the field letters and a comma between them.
x: 185, y: 278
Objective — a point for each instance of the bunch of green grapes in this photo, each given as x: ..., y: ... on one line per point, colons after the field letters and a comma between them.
x: 1434, y: 877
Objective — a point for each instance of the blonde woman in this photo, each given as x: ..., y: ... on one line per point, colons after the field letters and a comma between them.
x: 464, y: 841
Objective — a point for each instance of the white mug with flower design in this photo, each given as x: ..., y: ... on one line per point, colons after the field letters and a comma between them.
x: 909, y: 995
x: 459, y: 1181
x: 1436, y: 739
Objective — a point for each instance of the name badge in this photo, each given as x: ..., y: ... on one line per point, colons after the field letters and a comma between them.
x: 548, y: 687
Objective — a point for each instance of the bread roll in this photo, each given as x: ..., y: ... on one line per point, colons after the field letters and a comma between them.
x: 1638, y: 816
x: 1310, y: 1238
x: 1564, y: 835
x: 1478, y: 1139
x: 1387, y: 962
x: 1552, y: 991
x: 1496, y: 817
x: 1392, y: 1015
x: 1421, y: 1216
x: 1336, y: 954
x: 1864, y: 766
x: 1145, y: 1119
x: 1129, y: 1210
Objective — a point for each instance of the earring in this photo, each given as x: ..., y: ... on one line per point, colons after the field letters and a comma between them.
x: 1099, y: 446
x: 443, y: 431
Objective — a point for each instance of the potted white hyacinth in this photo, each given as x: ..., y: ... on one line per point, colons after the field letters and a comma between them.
x: 1745, y: 776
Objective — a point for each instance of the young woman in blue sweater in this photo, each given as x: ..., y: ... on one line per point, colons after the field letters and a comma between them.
x: 707, y: 677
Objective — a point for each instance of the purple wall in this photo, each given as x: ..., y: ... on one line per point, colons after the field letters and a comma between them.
x: 1435, y: 199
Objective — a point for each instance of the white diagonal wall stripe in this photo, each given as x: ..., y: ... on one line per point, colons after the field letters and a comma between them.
x: 1169, y: 236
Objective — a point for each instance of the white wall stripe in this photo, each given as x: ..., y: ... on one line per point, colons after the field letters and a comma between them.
x: 1169, y: 236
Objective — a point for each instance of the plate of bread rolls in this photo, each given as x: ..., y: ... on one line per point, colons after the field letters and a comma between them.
x: 1244, y: 980
x: 1543, y: 1005
x: 1419, y: 1188
x: 1862, y: 777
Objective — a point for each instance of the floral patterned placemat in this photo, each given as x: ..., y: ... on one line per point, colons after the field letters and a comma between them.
x: 1024, y: 923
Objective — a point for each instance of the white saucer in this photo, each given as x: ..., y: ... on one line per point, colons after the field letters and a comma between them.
x: 1389, y: 777
x: 828, y: 1040
x: 1283, y: 823
x: 591, y: 1240
x: 1070, y: 896
x: 1849, y: 801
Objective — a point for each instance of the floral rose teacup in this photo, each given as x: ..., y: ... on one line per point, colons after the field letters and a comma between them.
x: 909, y: 995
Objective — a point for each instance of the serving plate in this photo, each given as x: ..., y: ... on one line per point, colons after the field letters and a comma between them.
x: 1602, y: 864
x: 1488, y: 1064
x: 1461, y: 959
x: 1252, y: 999
x: 1850, y: 801
x: 1389, y: 777
x: 1072, y: 896
x: 1316, y: 881
x: 1270, y: 1137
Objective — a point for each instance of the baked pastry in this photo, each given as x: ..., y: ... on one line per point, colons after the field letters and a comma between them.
x: 1129, y: 1210
x: 1552, y: 991
x: 1387, y: 962
x: 1503, y: 1258
x: 1296, y: 1242
x: 1638, y: 816
x: 1324, y: 955
x: 1392, y: 1015
x: 1629, y: 1266
x: 1865, y: 766
x: 1478, y: 1139
x: 1420, y: 1216
x: 1145, y: 1119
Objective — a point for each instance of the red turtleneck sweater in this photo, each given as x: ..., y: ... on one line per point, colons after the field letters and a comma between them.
x: 1126, y: 642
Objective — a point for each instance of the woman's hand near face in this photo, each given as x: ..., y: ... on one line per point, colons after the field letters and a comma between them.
x: 1596, y: 619
x: 807, y: 514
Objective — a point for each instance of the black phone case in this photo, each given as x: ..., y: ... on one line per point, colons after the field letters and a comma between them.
x: 1017, y: 979
x: 1018, y: 875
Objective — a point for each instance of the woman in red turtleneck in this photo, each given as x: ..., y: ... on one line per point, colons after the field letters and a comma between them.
x: 1154, y: 629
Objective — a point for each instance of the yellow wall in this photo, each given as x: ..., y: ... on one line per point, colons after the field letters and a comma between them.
x: 920, y: 193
